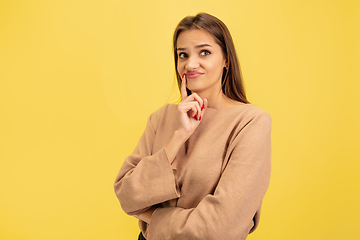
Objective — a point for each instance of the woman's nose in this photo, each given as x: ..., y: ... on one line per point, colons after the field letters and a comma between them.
x: 192, y: 63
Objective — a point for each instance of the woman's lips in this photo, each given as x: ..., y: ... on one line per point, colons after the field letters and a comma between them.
x: 193, y: 74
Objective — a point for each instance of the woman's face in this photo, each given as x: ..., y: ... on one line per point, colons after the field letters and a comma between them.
x: 202, y: 61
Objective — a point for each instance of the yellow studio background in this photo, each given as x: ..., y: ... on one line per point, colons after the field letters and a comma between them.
x: 79, y: 78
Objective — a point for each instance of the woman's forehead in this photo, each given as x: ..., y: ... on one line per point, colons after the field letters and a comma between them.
x: 195, y: 37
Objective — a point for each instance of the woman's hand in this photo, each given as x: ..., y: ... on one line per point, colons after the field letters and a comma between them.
x: 191, y: 110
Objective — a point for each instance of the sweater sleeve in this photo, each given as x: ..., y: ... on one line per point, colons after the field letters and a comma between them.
x: 146, y: 178
x: 229, y: 212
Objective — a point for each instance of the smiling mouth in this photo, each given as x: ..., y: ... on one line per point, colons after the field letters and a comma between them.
x: 193, y: 74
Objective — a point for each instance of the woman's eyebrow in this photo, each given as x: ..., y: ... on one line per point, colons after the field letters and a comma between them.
x: 197, y: 46
x: 203, y: 45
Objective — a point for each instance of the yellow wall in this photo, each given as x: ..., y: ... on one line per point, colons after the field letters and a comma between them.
x: 79, y: 78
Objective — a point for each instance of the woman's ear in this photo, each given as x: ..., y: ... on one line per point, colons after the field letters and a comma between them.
x: 226, y: 65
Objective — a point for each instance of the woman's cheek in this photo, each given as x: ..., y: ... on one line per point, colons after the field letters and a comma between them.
x: 180, y: 67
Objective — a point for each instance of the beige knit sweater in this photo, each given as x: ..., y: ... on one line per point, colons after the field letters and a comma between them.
x: 215, y: 186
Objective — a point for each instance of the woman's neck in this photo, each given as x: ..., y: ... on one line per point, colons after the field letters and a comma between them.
x: 219, y: 100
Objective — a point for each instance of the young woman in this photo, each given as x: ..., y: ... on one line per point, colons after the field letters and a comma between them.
x: 202, y: 167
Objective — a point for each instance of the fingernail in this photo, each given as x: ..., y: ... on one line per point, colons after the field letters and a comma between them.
x: 200, y: 118
x: 206, y: 99
x: 202, y: 107
x: 183, y: 75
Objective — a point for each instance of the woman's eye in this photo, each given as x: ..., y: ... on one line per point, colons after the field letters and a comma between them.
x: 182, y: 55
x: 205, y: 52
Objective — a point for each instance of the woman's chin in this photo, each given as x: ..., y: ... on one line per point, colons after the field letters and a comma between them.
x: 195, y: 89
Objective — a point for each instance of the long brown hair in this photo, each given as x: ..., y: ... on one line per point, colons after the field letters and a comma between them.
x: 232, y: 83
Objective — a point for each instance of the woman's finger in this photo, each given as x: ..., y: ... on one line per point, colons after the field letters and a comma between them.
x: 203, y: 108
x: 198, y: 108
x: 196, y: 97
x: 196, y: 113
x: 206, y: 102
x: 183, y: 87
x: 193, y: 108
